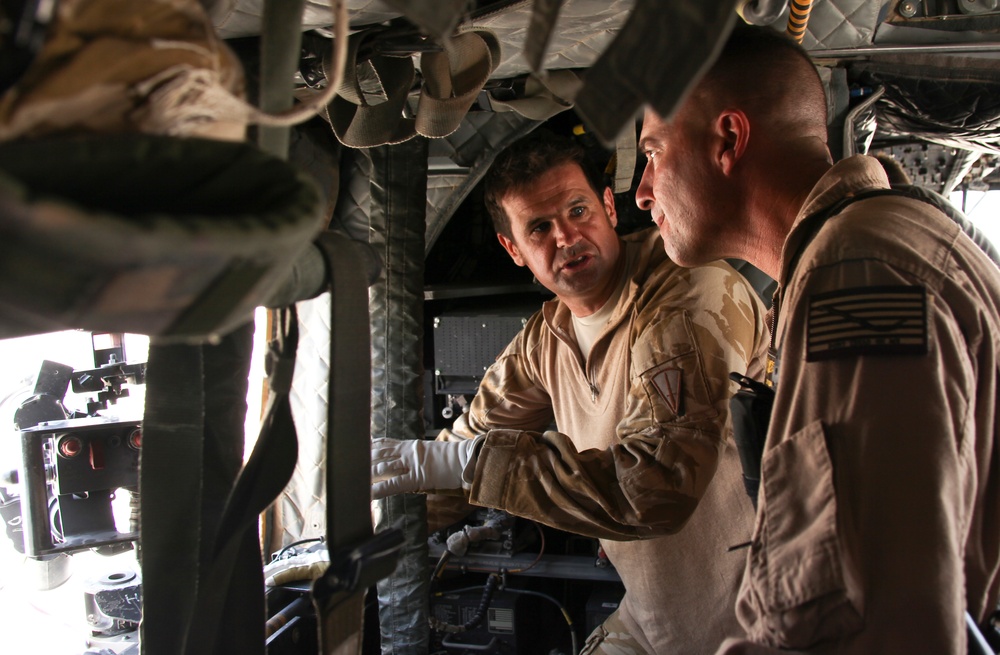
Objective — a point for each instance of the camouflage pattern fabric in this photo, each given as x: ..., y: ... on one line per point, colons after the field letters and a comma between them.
x: 612, y: 638
x: 642, y: 457
x: 115, y: 66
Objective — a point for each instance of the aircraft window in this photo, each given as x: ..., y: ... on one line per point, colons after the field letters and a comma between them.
x: 982, y: 208
x: 48, y: 603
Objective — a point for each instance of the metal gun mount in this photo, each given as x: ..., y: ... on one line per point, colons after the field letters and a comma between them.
x: 72, y: 465
x: 107, y: 382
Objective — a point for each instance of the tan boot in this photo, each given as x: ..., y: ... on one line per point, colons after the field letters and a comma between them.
x: 120, y: 66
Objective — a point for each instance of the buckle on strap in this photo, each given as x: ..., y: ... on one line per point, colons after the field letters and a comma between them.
x: 355, y: 568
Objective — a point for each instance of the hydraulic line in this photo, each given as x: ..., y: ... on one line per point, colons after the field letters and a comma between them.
x: 798, y: 19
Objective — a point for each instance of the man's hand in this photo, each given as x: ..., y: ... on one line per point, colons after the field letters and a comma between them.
x: 419, y: 465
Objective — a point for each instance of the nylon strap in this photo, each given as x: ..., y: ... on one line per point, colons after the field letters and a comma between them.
x: 170, y: 494
x: 280, y: 47
x: 625, y: 156
x: 264, y: 476
x: 544, y: 14
x: 452, y: 80
x: 682, y: 38
x: 357, y: 557
x: 543, y: 99
x: 356, y: 122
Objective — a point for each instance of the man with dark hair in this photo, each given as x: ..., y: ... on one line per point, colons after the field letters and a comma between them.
x: 524, y: 162
x: 878, y: 523
x: 631, y: 362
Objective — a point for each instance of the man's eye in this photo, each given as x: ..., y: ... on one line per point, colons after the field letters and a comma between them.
x: 540, y: 228
x: 577, y: 211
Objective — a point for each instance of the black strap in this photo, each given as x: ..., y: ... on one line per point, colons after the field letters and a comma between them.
x: 264, y: 476
x: 357, y: 557
x: 170, y: 478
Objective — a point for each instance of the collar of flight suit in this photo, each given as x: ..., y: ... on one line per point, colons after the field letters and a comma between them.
x: 845, y: 178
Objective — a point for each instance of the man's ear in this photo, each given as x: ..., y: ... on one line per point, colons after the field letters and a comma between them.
x: 732, y: 127
x: 511, y: 248
x: 609, y: 206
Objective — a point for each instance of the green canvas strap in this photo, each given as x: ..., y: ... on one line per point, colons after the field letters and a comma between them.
x: 682, y: 38
x: 358, y: 558
x: 236, y: 543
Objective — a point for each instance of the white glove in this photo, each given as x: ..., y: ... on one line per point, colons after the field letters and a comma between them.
x: 404, y: 466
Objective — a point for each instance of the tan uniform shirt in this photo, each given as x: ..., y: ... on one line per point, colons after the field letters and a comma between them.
x: 643, y: 429
x: 879, y: 518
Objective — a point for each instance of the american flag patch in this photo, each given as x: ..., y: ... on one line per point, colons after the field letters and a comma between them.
x: 867, y: 321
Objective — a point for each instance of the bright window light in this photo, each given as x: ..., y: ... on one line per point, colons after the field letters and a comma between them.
x: 983, y: 209
x: 52, y: 620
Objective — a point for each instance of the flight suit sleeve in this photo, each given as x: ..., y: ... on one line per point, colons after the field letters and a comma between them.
x: 507, y: 396
x: 686, y: 338
x: 868, y: 476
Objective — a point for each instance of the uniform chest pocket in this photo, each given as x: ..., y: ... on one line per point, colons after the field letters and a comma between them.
x: 803, y: 589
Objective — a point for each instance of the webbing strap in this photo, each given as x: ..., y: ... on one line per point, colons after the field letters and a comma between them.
x: 356, y: 122
x: 543, y: 99
x: 625, y: 156
x: 544, y: 14
x: 280, y: 42
x: 452, y: 80
x: 170, y: 494
x: 264, y: 476
x: 357, y: 558
x: 679, y: 39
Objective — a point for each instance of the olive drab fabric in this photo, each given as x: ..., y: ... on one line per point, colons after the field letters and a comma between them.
x: 880, y: 471
x: 643, y: 457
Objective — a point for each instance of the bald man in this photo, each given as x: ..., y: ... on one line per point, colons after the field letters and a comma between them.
x: 879, y: 512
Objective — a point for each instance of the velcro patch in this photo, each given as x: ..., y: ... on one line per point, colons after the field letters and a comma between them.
x: 867, y: 321
x: 668, y: 384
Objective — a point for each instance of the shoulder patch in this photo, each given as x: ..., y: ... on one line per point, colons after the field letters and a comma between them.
x: 668, y: 384
x: 867, y: 321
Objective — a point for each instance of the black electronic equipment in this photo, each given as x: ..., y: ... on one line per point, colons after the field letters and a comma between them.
x: 72, y: 463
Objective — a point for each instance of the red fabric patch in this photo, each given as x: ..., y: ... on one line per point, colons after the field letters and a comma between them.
x: 668, y: 384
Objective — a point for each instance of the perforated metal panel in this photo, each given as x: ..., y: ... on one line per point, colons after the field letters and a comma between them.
x: 467, y: 343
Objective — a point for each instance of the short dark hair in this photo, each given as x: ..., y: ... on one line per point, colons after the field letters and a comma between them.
x: 758, y: 65
x: 524, y: 162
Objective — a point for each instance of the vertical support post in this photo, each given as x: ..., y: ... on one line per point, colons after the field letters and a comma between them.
x: 397, y: 221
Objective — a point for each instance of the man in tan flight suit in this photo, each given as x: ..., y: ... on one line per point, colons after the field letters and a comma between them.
x: 631, y: 361
x: 879, y: 512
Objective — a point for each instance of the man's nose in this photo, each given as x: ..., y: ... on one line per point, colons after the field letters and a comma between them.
x: 566, y: 234
x: 644, y: 194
